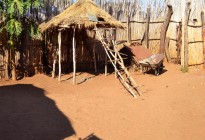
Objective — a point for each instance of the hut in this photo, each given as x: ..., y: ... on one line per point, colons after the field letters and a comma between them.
x: 76, y: 21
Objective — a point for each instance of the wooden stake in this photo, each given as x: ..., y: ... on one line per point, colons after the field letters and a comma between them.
x: 164, y: 29
x: 179, y: 42
x: 59, y: 55
x: 147, y: 28
x: 128, y: 29
x: 54, y: 63
x: 185, y: 49
x: 167, y: 49
x: 94, y: 54
x: 203, y: 34
x: 74, y: 58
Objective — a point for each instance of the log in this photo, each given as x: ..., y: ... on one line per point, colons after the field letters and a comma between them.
x: 74, y: 58
x: 147, y: 28
x: 128, y: 29
x: 164, y: 29
x: 167, y: 54
x: 185, y: 49
x: 179, y: 42
x: 94, y: 57
x: 7, y: 64
x: 54, y: 63
x: 59, y: 55
x: 203, y: 34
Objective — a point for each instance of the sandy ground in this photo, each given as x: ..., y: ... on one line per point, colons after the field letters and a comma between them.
x: 39, y: 108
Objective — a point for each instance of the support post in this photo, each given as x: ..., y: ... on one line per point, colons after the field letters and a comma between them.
x: 167, y: 49
x: 59, y: 55
x: 185, y: 49
x: 128, y: 29
x: 203, y: 34
x: 179, y: 42
x: 54, y: 63
x: 74, y: 58
x: 147, y: 28
x: 94, y: 54
x: 164, y: 29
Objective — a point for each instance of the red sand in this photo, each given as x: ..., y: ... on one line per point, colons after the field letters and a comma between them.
x: 170, y: 108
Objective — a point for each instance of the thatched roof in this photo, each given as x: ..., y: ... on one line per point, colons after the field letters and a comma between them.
x: 82, y: 14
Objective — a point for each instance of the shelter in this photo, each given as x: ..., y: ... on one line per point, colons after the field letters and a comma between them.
x: 82, y: 15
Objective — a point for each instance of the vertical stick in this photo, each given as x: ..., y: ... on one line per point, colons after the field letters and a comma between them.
x: 94, y: 54
x: 179, y: 42
x: 203, y: 34
x: 54, y: 63
x: 147, y: 28
x: 185, y: 50
x: 6, y: 64
x: 164, y: 28
x: 128, y: 29
x: 105, y: 35
x: 59, y: 55
x: 167, y: 49
x: 74, y: 58
x: 115, y: 62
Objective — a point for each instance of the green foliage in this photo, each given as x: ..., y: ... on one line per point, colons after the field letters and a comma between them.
x: 14, y: 27
x: 15, y: 7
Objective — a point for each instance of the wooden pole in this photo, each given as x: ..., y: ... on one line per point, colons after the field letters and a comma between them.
x: 147, y: 28
x: 54, y: 63
x: 167, y: 49
x: 164, y: 29
x: 94, y: 53
x: 179, y: 42
x: 105, y: 35
x: 59, y: 55
x: 74, y: 58
x: 185, y: 49
x: 203, y: 34
x: 128, y: 29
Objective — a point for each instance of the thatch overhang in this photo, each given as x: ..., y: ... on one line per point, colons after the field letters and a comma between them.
x: 82, y: 14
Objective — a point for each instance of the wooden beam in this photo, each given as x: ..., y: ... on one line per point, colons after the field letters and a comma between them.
x: 179, y: 42
x: 167, y: 49
x: 164, y: 29
x: 74, y: 57
x: 185, y: 49
x: 54, y: 63
x: 128, y: 29
x: 203, y: 34
x: 59, y: 55
x: 147, y: 28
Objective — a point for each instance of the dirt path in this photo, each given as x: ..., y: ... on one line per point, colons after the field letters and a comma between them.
x: 171, y: 107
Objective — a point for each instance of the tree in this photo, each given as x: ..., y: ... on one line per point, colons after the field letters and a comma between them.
x: 14, y: 15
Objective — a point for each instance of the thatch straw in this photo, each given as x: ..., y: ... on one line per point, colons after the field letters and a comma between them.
x: 79, y: 14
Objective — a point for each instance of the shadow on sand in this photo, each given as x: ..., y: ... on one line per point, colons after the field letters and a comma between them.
x: 27, y: 114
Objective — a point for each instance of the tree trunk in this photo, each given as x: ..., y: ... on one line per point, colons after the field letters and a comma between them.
x: 164, y: 29
x: 167, y: 49
x: 59, y: 55
x: 185, y: 49
x: 74, y: 58
x: 13, y: 71
x: 7, y: 64
x: 147, y: 28
x: 179, y: 42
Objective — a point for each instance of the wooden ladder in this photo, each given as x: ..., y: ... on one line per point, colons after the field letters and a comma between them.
x: 109, y: 46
